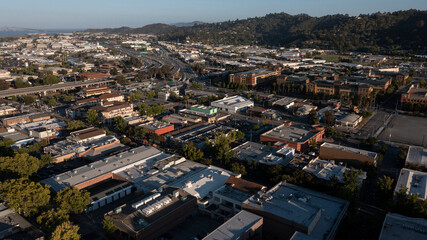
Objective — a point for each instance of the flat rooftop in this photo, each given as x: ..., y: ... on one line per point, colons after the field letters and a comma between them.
x: 234, y: 227
x: 116, y: 163
x: 400, y: 227
x: 303, y: 207
x: 349, y: 149
x: 417, y: 155
x: 236, y: 101
x: 155, y: 125
x: 328, y: 169
x: 258, y: 152
x: 293, y: 133
x: 414, y: 181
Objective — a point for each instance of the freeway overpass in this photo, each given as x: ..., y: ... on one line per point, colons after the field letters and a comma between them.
x: 53, y: 87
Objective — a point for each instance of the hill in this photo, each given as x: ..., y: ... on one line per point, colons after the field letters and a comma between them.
x: 379, y: 32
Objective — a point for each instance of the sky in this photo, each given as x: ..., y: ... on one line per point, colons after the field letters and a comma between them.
x: 82, y: 14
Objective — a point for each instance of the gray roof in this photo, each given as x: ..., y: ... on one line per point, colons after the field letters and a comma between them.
x: 294, y: 133
x: 234, y: 227
x: 303, y: 207
x: 400, y: 227
x: 116, y: 163
x: 349, y: 149
x: 417, y: 155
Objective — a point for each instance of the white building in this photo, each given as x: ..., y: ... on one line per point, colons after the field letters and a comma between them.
x: 233, y: 104
x: 415, y: 182
x: 327, y: 170
x: 349, y: 120
x: 400, y: 227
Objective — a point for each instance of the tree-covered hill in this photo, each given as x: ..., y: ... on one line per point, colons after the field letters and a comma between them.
x: 402, y: 30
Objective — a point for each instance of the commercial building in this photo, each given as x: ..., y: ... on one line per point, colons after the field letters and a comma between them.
x: 351, y: 156
x: 399, y: 227
x: 286, y: 102
x: 243, y: 226
x: 102, y: 179
x: 254, y: 77
x: 287, y: 208
x: 251, y: 151
x: 112, y: 97
x: 233, y: 104
x: 7, y: 110
x: 328, y: 170
x: 158, y: 127
x: 42, y: 130
x: 208, y: 114
x: 25, y: 118
x: 349, y: 120
x: 416, y: 156
x: 92, y: 75
x: 21, y: 140
x: 415, y: 182
x: 110, y: 110
x: 298, y: 137
x: 14, y: 226
x: 154, y: 214
x: 198, y: 133
x: 414, y: 95
x: 94, y: 91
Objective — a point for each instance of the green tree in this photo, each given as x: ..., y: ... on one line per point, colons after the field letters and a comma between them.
x: 51, y: 219
x: 92, y: 117
x: 330, y: 118
x: 75, y: 125
x: 191, y: 153
x: 45, y: 159
x: 50, y: 79
x: 222, y: 149
x: 66, y: 231
x: 73, y: 200
x: 312, y: 117
x: 120, y: 124
x: 5, y: 147
x: 20, y: 165
x: 4, y: 85
x: 28, y: 100
x: 385, y: 186
x: 52, y: 102
x: 238, y: 168
x: 24, y: 196
x: 109, y: 225
x: 114, y: 71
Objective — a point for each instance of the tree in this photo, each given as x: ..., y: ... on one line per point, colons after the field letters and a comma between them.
x: 114, y: 71
x: 92, y: 117
x: 238, y: 168
x: 173, y: 96
x: 120, y: 124
x: 191, y: 153
x: 45, y: 159
x: 24, y: 196
x: 385, y: 185
x: 20, y: 165
x: 66, y: 231
x: 4, y: 85
x: 109, y: 225
x: 196, y: 85
x: 73, y: 200
x: 312, y: 117
x: 50, y: 79
x: 51, y: 219
x: 28, y: 100
x: 75, y: 125
x: 19, y: 83
x: 330, y: 118
x: 222, y: 150
x: 52, y: 102
x: 5, y: 147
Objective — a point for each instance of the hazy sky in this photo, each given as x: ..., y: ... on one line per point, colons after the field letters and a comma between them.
x: 44, y: 14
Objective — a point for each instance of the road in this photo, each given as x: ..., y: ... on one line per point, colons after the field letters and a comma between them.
x: 53, y: 87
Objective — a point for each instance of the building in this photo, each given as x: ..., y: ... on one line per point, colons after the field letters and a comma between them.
x: 287, y: 208
x: 251, y: 151
x: 414, y: 95
x: 93, y: 91
x: 298, y: 137
x: 328, y: 170
x: 21, y: 140
x: 254, y: 77
x: 102, y: 179
x: 208, y: 114
x: 8, y: 110
x: 92, y: 75
x: 42, y: 130
x: 25, y: 118
x: 112, y: 97
x: 233, y: 104
x: 349, y: 120
x: 417, y: 156
x: 154, y: 214
x: 351, y: 156
x: 415, y: 182
x: 243, y: 226
x: 158, y: 127
x: 285, y: 102
x: 14, y: 226
x: 110, y: 110
x: 399, y: 227
x: 229, y: 198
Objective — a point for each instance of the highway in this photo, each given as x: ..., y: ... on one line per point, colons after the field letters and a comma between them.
x: 53, y: 87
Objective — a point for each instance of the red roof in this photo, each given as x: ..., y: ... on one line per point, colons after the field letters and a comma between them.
x: 243, y: 185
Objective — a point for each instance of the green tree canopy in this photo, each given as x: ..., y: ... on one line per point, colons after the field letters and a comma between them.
x: 312, y: 117
x: 120, y: 124
x: 75, y: 125
x: 20, y: 165
x: 24, y: 196
x: 51, y: 219
x: 92, y: 117
x: 72, y: 200
x: 28, y: 100
x: 191, y: 153
x: 66, y: 231
x: 109, y: 225
x: 385, y: 185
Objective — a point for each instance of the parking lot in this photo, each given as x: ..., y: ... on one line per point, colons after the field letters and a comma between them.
x: 406, y: 130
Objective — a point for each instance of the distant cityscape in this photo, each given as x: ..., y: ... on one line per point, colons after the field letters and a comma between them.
x: 170, y: 132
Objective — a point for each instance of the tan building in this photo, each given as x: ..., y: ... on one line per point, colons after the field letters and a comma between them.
x: 253, y: 77
x: 108, y: 111
x: 352, y: 156
x: 415, y: 95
